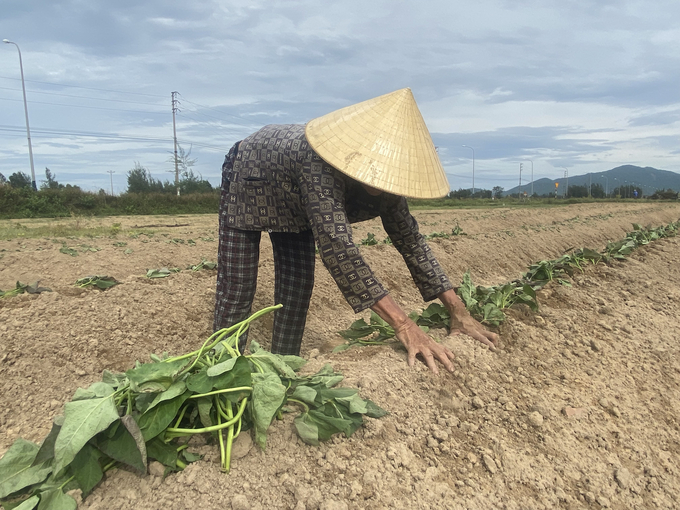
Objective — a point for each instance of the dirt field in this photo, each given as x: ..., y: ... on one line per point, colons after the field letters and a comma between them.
x: 578, y: 409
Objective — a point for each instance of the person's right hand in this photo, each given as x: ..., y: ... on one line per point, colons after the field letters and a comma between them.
x: 417, y: 342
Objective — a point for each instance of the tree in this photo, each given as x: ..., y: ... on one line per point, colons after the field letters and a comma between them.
x: 3, y: 179
x: 460, y: 193
x: 578, y: 191
x: 482, y: 193
x: 20, y: 180
x: 140, y: 181
x: 497, y: 191
x: 191, y: 183
x: 597, y: 191
x: 668, y: 194
x: 50, y: 181
x: 184, y: 163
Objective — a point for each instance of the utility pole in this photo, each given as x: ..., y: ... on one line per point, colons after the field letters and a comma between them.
x: 175, y: 109
x: 519, y: 195
x: 111, y: 172
x: 532, y: 177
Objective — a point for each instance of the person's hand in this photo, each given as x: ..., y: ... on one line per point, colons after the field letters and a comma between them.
x: 418, y: 342
x: 463, y: 322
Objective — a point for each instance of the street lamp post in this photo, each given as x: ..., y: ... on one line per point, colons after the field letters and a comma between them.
x: 473, y: 168
x: 606, y: 189
x: 28, y: 130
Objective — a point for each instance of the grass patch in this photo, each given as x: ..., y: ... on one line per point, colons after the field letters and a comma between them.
x: 59, y: 228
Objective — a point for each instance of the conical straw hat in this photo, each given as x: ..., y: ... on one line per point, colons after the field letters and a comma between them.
x: 382, y: 142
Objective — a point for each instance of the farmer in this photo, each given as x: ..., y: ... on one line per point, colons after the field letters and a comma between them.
x: 305, y: 185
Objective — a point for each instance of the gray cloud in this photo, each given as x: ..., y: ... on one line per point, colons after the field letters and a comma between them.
x: 243, y: 64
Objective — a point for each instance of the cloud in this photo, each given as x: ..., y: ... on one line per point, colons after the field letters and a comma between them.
x: 579, y: 84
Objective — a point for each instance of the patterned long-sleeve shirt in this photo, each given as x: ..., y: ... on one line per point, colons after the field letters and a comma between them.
x: 274, y: 181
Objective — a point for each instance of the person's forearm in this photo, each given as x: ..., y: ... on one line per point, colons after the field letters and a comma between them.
x: 390, y: 312
x: 451, y: 301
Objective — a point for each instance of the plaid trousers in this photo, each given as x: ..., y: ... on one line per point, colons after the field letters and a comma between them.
x: 238, y: 259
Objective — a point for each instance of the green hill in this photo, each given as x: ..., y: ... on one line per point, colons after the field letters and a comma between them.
x: 647, y: 179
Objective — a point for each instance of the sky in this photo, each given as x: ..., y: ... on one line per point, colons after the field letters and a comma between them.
x: 558, y: 86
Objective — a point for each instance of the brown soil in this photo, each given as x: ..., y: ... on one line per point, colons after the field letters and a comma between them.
x: 578, y: 409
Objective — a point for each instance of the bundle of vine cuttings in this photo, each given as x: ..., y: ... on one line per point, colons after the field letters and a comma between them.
x: 149, y: 412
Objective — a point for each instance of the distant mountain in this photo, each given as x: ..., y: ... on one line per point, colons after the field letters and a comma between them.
x: 647, y: 179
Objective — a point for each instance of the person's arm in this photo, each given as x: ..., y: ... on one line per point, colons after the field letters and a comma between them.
x: 463, y: 322
x: 414, y: 339
x: 427, y: 274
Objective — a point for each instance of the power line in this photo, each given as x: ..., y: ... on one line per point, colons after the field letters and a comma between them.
x: 213, y: 108
x: 86, y: 88
x: 83, y: 106
x: 57, y: 132
x: 85, y: 97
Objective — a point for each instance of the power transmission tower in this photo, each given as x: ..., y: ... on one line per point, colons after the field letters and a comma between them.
x: 111, y: 172
x: 175, y: 109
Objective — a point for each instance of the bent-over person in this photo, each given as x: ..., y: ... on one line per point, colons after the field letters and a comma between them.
x: 305, y: 185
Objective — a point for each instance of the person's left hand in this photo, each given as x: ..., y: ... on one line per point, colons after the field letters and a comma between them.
x: 463, y: 322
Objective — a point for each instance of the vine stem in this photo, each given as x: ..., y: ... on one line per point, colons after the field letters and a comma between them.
x: 296, y: 401
x: 183, y: 432
x: 218, y: 392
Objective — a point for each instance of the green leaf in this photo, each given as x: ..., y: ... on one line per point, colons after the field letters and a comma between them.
x: 114, y: 379
x: 189, y: 456
x: 156, y: 420
x: 326, y: 394
x: 83, y: 419
x: 307, y: 429
x: 491, y: 314
x: 329, y: 425
x: 124, y: 445
x: 221, y: 368
x: 199, y: 382
x: 154, y: 377
x: 373, y: 410
x: 358, y: 329
x: 271, y: 361
x: 64, y: 481
x: 175, y: 390
x: 68, y: 251
x: 467, y: 291
x: 85, y: 467
x: 326, y: 376
x: 267, y: 397
x: 133, y: 429
x: 294, y: 362
x: 205, y: 405
x: 164, y: 453
x: 95, y: 390
x: 355, y: 403
x: 17, y: 470
x: 161, y: 273
x: 56, y: 500
x: 239, y: 375
x: 304, y: 393
x: 28, y: 504
x: 46, y: 451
